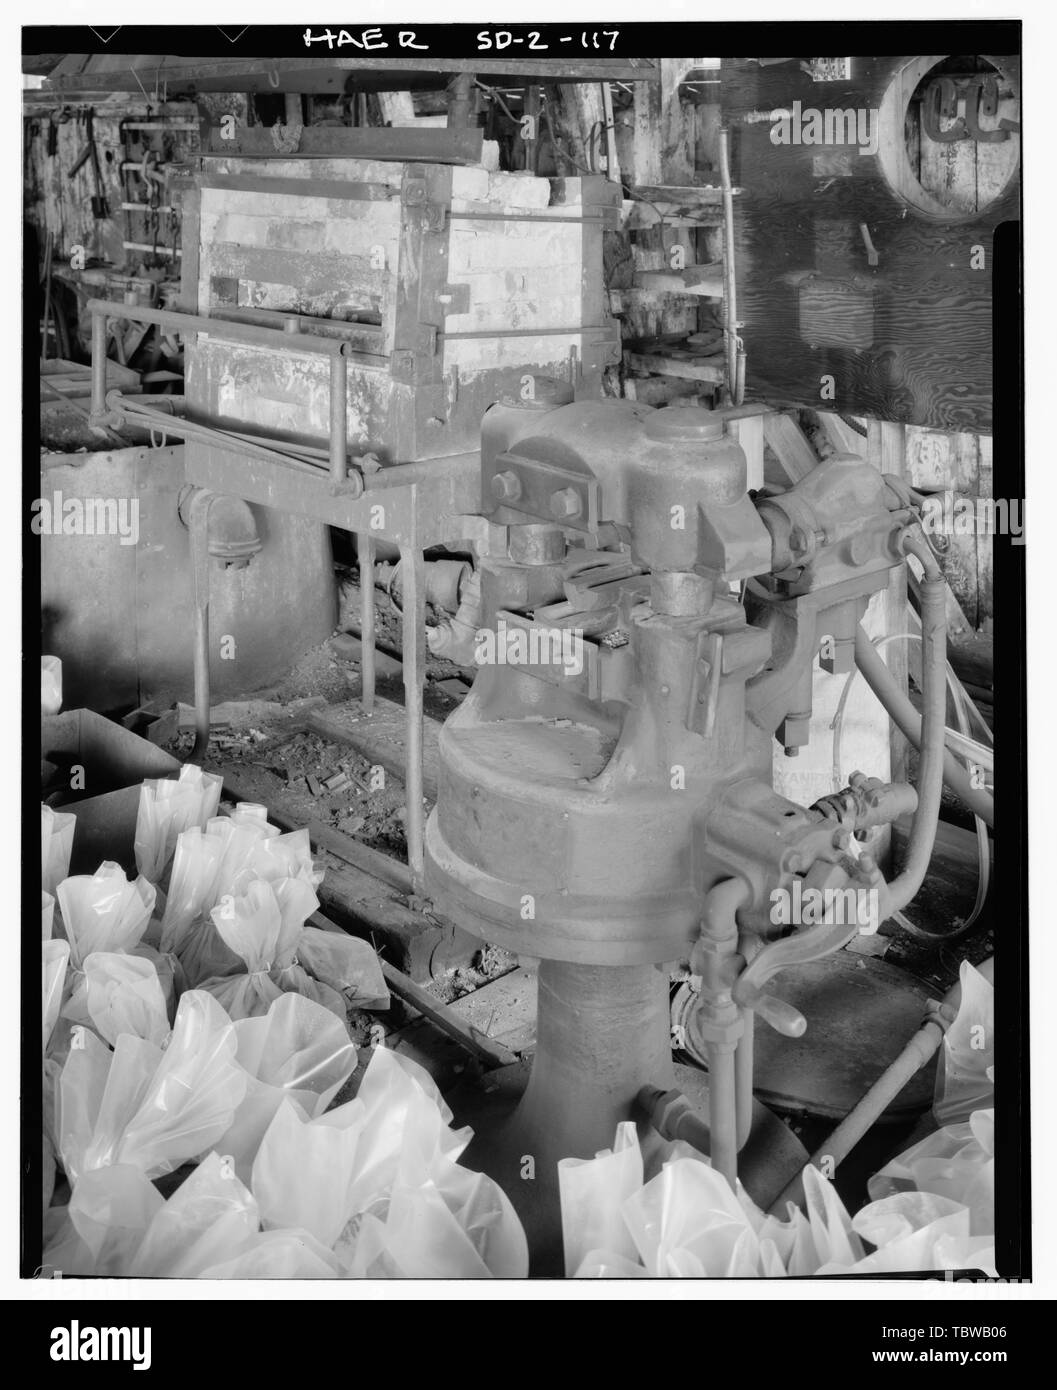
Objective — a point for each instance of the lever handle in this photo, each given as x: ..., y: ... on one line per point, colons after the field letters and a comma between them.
x: 782, y: 1017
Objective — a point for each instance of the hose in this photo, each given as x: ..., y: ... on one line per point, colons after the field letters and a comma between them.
x: 904, y: 887
x: 962, y: 745
x: 909, y: 722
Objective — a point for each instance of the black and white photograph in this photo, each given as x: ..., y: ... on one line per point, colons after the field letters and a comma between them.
x: 524, y: 531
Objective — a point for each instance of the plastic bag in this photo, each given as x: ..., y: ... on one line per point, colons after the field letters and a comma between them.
x: 47, y: 916
x: 125, y: 995
x: 264, y: 928
x: 192, y: 885
x: 278, y: 1255
x: 347, y: 964
x: 149, y: 1108
x: 593, y: 1192
x: 104, y: 911
x: 55, y: 958
x: 687, y: 1222
x: 168, y: 806
x: 56, y: 846
x: 118, y: 1225
x: 963, y: 1084
x: 50, y: 685
x: 376, y: 1182
x: 297, y: 1051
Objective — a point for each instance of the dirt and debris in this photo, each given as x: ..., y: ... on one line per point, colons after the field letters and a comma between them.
x: 489, y: 963
x: 277, y: 762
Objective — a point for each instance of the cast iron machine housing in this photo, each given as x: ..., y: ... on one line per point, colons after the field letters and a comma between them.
x: 605, y: 800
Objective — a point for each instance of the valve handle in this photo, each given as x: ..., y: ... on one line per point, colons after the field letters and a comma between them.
x: 781, y: 1015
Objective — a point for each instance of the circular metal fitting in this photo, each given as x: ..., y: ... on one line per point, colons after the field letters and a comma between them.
x: 536, y: 544
x: 690, y: 424
x: 681, y: 593
x: 506, y: 487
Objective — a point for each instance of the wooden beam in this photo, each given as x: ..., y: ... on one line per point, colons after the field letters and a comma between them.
x: 840, y: 434
x: 382, y: 738
x: 790, y: 446
x: 690, y: 366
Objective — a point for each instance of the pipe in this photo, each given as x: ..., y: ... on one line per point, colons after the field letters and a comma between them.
x: 863, y: 1116
x: 908, y: 721
x: 198, y: 526
x: 730, y: 284
x: 722, y: 1112
x: 339, y: 407
x: 411, y: 560
x: 719, y: 1020
x: 98, y: 365
x: 922, y: 838
x: 743, y: 1069
x: 231, y: 330
x: 368, y: 662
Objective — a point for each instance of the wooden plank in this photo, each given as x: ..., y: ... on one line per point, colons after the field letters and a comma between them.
x: 380, y: 737
x: 790, y: 446
x: 703, y: 280
x: 487, y: 1050
x: 840, y: 435
x: 687, y: 365
x: 412, y: 937
x: 504, y: 1010
x: 412, y: 144
x: 323, y: 837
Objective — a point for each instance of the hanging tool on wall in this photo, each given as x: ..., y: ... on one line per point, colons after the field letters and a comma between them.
x: 100, y: 208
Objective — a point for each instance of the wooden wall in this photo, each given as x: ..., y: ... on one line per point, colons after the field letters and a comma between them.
x: 840, y: 275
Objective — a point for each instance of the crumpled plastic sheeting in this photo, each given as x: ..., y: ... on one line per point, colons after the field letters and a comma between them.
x: 104, y: 911
x: 146, y: 1107
x: 377, y: 1182
x: 686, y: 1222
x: 50, y: 684
x: 47, y: 916
x: 962, y: 1083
x: 117, y: 1224
x: 297, y: 1051
x: 55, y: 956
x: 593, y: 1192
x: 219, y: 865
x: 347, y: 964
x: 914, y: 1193
x: 125, y: 995
x: 168, y: 806
x: 56, y: 845
x: 265, y: 929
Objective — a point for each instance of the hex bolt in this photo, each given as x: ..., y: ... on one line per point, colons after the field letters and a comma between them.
x: 506, y: 487
x: 565, y: 503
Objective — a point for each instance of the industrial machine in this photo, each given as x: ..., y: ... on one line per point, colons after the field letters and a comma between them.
x: 648, y: 628
x: 605, y: 801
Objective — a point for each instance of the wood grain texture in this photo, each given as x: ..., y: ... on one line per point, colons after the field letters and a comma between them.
x: 906, y: 339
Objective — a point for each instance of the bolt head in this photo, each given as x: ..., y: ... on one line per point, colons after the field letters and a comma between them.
x: 506, y: 487
x: 565, y: 502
